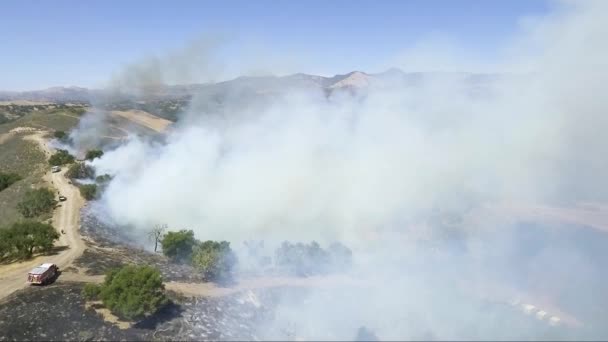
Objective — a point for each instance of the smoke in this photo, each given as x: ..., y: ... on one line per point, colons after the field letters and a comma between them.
x: 371, y: 169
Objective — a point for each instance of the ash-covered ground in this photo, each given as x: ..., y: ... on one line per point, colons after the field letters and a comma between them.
x: 429, y: 307
x: 116, y: 246
x: 57, y: 312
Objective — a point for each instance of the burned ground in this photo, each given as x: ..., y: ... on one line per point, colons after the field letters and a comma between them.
x: 117, y: 246
x: 57, y: 312
x: 98, y: 260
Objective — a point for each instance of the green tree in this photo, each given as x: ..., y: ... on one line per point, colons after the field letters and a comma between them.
x: 88, y: 191
x: 36, y: 202
x: 60, y: 135
x: 92, y: 154
x: 80, y: 171
x: 61, y: 157
x: 132, y: 292
x: 91, y: 291
x: 22, y: 239
x: 7, y: 179
x: 302, y: 259
x: 105, y: 178
x: 178, y: 245
x: 214, y: 259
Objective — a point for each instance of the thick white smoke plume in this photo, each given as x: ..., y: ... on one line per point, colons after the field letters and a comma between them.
x: 300, y: 166
x: 337, y: 167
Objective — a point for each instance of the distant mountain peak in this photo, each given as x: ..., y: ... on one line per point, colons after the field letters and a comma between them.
x: 355, y: 79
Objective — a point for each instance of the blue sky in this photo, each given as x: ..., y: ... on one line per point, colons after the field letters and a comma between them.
x: 49, y: 43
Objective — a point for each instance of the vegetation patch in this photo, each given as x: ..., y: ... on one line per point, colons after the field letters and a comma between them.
x: 24, y: 158
x: 88, y: 191
x: 37, y: 202
x: 80, y: 171
x: 7, y: 179
x: 310, y: 259
x: 23, y: 239
x: 178, y: 246
x: 215, y: 259
x: 130, y: 292
x: 92, y: 154
x: 61, y: 157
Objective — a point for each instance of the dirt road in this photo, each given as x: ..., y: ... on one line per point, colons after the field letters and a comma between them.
x: 66, y: 217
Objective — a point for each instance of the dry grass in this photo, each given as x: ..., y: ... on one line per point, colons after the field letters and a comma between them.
x: 26, y: 159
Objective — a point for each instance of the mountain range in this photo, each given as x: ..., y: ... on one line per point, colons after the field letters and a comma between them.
x: 352, y: 81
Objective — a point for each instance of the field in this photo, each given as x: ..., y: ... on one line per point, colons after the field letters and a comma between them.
x: 49, y: 118
x: 23, y: 156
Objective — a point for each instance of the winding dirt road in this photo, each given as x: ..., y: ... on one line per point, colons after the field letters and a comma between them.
x: 67, y: 217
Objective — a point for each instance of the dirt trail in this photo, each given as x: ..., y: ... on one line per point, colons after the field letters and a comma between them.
x: 213, y: 290
x: 66, y: 217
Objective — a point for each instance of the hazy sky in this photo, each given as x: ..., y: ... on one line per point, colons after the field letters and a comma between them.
x: 83, y: 42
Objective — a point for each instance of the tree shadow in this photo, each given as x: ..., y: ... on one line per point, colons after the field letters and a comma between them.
x: 54, y: 250
x: 167, y: 313
x: 15, y: 258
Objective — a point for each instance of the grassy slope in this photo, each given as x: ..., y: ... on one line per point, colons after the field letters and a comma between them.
x: 25, y: 158
x: 62, y: 120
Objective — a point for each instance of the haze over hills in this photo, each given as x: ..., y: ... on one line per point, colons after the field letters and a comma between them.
x: 354, y: 80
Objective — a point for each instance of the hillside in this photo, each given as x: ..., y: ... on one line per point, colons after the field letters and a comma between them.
x: 170, y: 100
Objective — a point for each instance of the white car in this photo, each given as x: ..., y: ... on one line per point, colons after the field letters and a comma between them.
x: 55, y: 169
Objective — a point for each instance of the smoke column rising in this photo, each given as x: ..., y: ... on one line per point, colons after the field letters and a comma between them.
x: 299, y: 166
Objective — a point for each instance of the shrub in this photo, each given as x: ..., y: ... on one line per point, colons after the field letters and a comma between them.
x: 301, y: 259
x: 92, y: 154
x: 91, y: 291
x: 103, y: 178
x: 309, y: 259
x: 36, y: 202
x: 60, y: 135
x: 7, y: 179
x: 178, y: 245
x: 88, y: 191
x: 80, y: 171
x: 133, y: 292
x: 61, y: 157
x: 22, y: 239
x: 214, y: 259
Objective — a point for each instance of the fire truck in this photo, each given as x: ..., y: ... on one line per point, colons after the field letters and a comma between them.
x: 42, y: 274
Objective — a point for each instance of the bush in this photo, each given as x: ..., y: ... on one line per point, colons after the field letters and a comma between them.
x: 88, y: 191
x: 60, y: 135
x: 301, y: 259
x: 7, y: 179
x: 309, y: 259
x: 103, y: 178
x: 61, y: 157
x: 80, y: 171
x: 91, y: 291
x: 132, y: 292
x: 22, y: 239
x: 92, y: 154
x: 178, y: 245
x: 215, y: 259
x: 36, y: 202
